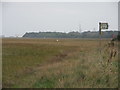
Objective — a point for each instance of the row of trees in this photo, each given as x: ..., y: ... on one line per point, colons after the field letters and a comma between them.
x: 118, y: 36
x: 88, y: 34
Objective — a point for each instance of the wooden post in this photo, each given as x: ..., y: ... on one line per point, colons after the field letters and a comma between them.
x: 100, y: 40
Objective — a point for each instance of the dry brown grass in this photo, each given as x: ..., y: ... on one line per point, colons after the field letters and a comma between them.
x: 45, y: 63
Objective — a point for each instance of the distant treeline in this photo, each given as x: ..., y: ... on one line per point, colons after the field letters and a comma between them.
x: 88, y: 34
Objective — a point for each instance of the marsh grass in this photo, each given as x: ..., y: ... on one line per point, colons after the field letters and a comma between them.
x: 45, y: 63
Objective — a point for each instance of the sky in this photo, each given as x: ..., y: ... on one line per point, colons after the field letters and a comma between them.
x: 21, y: 17
x: 0, y: 18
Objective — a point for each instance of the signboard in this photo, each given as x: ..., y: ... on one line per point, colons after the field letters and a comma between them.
x: 102, y: 26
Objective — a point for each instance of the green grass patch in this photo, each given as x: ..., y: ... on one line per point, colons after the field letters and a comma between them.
x: 45, y: 83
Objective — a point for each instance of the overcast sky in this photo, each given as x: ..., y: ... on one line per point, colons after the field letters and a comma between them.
x: 20, y: 17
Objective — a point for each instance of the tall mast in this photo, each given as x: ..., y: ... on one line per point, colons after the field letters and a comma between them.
x: 80, y: 30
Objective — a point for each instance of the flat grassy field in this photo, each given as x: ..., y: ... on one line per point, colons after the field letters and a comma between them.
x: 68, y: 63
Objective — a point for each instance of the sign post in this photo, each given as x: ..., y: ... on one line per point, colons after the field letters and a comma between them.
x: 101, y: 26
